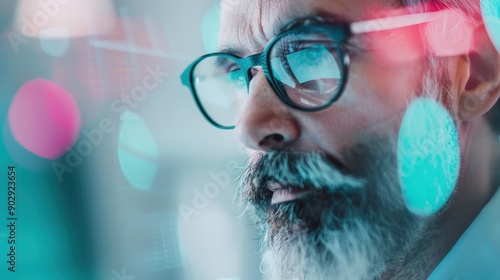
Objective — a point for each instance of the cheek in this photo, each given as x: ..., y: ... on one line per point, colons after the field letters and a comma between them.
x: 373, y: 103
x: 383, y: 90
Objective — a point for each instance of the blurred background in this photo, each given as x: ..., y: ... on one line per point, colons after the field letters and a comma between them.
x: 118, y: 176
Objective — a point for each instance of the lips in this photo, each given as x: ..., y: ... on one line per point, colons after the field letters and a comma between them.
x: 285, y: 193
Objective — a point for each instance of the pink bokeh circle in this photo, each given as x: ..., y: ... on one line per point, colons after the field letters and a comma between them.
x: 44, y: 118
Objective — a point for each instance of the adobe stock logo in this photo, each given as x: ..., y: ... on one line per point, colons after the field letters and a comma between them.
x: 33, y: 24
x: 121, y: 276
x: 201, y: 199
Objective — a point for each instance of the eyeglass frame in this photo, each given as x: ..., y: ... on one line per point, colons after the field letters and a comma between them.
x: 263, y: 59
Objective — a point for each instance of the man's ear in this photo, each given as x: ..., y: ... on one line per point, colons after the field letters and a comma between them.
x: 479, y: 77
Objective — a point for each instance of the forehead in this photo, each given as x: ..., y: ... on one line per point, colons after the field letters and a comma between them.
x: 247, y: 25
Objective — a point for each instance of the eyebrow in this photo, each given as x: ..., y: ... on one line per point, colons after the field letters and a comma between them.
x: 357, y: 27
x: 332, y: 17
x: 232, y: 50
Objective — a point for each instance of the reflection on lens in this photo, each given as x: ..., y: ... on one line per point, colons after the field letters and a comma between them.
x: 307, y: 68
x: 280, y: 73
x: 313, y: 63
x: 221, y: 88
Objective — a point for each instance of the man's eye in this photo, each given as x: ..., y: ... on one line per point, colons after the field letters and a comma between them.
x: 313, y: 64
x: 236, y: 77
x: 309, y: 56
x: 231, y: 72
x: 232, y: 68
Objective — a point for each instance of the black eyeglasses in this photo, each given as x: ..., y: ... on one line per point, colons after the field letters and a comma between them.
x: 307, y: 66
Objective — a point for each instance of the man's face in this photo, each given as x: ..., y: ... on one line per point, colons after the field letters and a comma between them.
x: 325, y: 185
x: 377, y: 88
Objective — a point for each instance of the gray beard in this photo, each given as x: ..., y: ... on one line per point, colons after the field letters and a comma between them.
x: 352, y: 224
x: 355, y: 223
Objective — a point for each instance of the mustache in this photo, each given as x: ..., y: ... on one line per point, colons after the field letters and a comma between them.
x: 307, y: 171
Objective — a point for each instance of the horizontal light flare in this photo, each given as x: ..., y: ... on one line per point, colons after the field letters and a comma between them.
x: 450, y: 34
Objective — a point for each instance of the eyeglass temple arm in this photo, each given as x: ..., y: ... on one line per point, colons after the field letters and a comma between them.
x: 389, y: 23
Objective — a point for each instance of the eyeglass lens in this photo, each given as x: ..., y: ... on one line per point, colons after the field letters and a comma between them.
x: 221, y: 89
x: 305, y: 67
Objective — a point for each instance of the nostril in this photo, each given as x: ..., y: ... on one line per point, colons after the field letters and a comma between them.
x: 272, y: 140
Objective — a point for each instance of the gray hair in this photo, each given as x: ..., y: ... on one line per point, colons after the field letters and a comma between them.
x: 471, y: 9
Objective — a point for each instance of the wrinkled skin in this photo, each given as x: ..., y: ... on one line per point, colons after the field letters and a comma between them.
x: 365, y: 232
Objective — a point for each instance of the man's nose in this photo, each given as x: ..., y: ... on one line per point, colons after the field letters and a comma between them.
x: 266, y: 122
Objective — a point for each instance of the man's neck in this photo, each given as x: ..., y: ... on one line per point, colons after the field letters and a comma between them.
x: 478, y: 182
